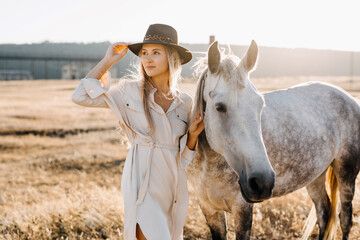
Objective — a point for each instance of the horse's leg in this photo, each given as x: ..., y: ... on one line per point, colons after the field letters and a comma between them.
x: 216, y: 221
x: 243, y: 220
x: 317, y: 192
x: 346, y: 172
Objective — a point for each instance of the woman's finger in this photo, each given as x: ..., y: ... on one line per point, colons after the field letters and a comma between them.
x: 197, y: 120
x: 121, y: 44
x: 198, y: 116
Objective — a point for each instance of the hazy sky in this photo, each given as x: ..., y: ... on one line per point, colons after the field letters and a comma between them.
x: 281, y: 23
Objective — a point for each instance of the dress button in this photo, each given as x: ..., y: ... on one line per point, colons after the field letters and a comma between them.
x: 127, y: 104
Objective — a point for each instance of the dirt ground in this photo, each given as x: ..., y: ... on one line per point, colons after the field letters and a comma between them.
x: 61, y: 166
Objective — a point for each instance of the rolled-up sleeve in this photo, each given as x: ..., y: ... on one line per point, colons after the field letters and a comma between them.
x: 186, y: 154
x: 89, y: 92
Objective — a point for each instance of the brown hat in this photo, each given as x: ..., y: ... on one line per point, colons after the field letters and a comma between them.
x: 162, y: 34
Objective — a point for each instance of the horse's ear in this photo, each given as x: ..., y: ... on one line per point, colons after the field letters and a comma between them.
x: 250, y: 58
x: 214, y: 58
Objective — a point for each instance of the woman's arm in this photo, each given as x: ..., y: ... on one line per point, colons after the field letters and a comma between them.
x: 194, y: 131
x: 114, y: 53
x: 89, y: 91
x: 189, y: 140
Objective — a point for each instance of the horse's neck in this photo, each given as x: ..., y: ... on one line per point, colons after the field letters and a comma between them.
x: 203, y: 145
x: 205, y: 151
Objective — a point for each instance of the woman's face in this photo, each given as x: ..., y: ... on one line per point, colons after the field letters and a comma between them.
x: 154, y: 60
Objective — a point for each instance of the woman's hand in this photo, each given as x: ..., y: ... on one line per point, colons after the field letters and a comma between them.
x: 194, y: 131
x: 197, y: 126
x: 115, y: 52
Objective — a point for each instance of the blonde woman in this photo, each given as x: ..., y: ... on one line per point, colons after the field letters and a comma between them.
x: 154, y: 115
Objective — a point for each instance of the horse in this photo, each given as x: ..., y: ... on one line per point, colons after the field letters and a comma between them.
x: 259, y: 146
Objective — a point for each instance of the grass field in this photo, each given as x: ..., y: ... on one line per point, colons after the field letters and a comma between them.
x: 61, y: 166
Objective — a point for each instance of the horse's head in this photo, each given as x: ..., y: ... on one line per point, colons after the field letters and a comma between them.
x: 233, y: 107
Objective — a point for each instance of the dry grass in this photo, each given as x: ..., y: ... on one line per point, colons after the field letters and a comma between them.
x: 61, y: 166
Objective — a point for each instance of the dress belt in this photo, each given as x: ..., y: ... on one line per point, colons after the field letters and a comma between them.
x: 144, y: 185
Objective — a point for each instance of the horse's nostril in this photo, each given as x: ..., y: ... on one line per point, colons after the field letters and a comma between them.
x: 254, y: 186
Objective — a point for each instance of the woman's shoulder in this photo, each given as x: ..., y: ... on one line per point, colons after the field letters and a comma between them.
x: 184, y: 96
x: 128, y: 84
x: 125, y: 88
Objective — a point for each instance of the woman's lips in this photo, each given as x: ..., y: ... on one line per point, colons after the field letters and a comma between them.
x: 150, y: 67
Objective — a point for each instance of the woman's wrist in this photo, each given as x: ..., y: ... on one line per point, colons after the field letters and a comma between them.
x: 107, y: 63
x: 100, y: 69
x: 191, y: 140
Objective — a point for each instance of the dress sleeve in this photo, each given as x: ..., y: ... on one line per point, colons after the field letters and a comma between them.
x: 90, y: 91
x: 186, y: 154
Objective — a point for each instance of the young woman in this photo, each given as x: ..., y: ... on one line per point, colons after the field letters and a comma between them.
x: 154, y: 114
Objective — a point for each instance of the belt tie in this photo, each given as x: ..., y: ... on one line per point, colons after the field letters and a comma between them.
x: 144, y: 185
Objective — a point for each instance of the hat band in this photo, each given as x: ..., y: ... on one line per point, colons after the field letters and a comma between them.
x: 160, y: 38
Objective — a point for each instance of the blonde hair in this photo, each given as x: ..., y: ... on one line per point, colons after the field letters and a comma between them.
x: 174, y: 63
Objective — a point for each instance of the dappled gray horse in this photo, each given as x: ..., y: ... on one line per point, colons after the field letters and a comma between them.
x: 302, y: 132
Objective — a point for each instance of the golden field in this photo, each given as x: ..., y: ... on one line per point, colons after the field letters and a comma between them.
x: 61, y: 166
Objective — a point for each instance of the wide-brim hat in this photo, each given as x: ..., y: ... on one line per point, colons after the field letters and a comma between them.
x: 162, y: 34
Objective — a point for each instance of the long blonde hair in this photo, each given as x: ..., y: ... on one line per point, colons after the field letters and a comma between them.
x: 174, y: 62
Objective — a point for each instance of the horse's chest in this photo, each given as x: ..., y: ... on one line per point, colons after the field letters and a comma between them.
x: 216, y: 184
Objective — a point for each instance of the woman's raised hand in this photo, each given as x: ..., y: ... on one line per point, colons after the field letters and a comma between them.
x: 116, y: 51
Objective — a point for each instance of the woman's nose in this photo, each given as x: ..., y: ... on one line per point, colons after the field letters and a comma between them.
x: 148, y: 58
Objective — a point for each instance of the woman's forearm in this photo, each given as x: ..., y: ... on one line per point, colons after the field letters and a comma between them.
x: 99, y: 70
x: 191, y: 140
x: 194, y: 131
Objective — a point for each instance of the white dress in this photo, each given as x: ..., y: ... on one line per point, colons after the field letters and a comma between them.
x: 154, y: 184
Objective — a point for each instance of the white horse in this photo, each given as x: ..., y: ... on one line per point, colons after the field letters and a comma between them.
x: 299, y: 133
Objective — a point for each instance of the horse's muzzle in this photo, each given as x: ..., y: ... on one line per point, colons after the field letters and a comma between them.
x: 258, y: 186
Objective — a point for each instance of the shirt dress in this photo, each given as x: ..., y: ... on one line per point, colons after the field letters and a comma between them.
x: 154, y: 184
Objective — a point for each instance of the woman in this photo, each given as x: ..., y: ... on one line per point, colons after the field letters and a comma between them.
x: 155, y: 117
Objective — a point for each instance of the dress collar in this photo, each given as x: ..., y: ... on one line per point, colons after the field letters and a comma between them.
x: 177, y: 101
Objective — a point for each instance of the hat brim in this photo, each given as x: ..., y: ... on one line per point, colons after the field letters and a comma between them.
x: 185, y: 55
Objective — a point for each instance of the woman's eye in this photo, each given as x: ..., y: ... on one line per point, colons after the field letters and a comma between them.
x: 156, y: 52
x: 220, y: 107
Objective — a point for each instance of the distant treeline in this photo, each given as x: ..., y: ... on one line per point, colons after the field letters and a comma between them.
x: 273, y: 62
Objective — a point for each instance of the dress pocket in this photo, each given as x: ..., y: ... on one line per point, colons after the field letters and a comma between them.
x: 135, y: 106
x: 136, y: 115
x: 181, y: 115
x: 181, y: 122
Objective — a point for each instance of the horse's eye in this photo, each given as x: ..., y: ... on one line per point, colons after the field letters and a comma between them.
x: 220, y: 107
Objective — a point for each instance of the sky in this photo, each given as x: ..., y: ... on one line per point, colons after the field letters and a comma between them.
x: 314, y: 24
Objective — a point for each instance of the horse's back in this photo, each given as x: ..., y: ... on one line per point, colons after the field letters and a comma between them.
x: 317, y: 101
x: 307, y: 93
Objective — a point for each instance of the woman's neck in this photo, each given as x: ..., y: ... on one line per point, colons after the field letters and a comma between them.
x: 161, y: 84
